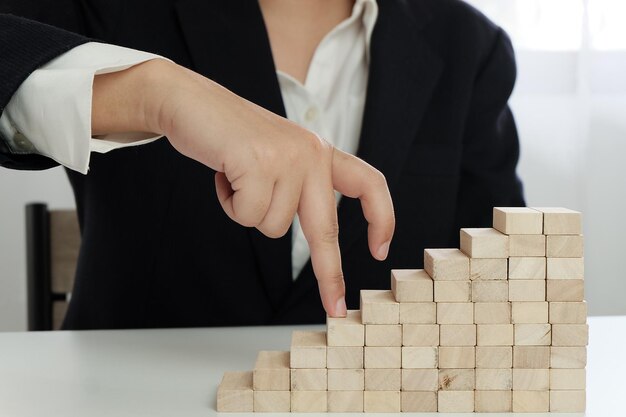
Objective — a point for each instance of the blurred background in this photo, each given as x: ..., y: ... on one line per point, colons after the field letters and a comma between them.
x: 570, y: 106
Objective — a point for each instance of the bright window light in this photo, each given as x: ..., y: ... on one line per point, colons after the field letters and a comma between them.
x: 607, y: 24
x: 545, y: 25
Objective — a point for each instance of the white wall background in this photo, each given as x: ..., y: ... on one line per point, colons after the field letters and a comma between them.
x: 570, y: 105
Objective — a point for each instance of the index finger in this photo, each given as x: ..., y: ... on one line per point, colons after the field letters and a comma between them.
x: 318, y: 218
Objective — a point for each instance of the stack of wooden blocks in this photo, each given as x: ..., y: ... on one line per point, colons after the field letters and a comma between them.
x: 497, y: 326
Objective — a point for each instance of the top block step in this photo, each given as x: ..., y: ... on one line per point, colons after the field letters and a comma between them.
x: 517, y: 220
x: 561, y: 221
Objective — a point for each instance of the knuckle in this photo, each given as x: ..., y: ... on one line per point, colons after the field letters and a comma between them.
x: 330, y: 234
x: 336, y: 281
x: 317, y: 145
x: 378, y: 179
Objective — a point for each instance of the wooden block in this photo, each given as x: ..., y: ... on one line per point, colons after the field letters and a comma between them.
x: 529, y: 312
x: 494, y: 379
x: 564, y: 246
x: 308, y: 349
x: 346, y: 331
x: 379, y: 307
x: 271, y: 371
x: 568, y: 379
x: 531, y: 357
x: 490, y: 291
x: 493, y: 401
x: 383, y: 379
x: 570, y: 334
x: 419, y: 357
x: 383, y: 357
x: 568, y: 357
x: 420, y: 335
x: 381, y: 401
x: 235, y: 393
x: 527, y: 268
x: 527, y: 290
x: 272, y: 401
x: 419, y: 401
x: 565, y: 290
x: 418, y: 313
x: 346, y: 380
x: 345, y: 401
x: 453, y: 291
x: 494, y: 335
x: 560, y: 221
x: 383, y: 335
x: 309, y: 380
x: 527, y: 245
x: 411, y: 285
x: 531, y: 379
x: 309, y: 401
x: 345, y: 357
x: 455, y: 401
x: 565, y: 268
x: 456, y: 357
x: 488, y: 269
x: 492, y: 313
x: 533, y: 334
x: 531, y: 401
x: 494, y: 357
x: 568, y: 312
x: 567, y: 401
x: 457, y: 335
x: 456, y: 379
x: 446, y: 264
x: 420, y: 379
x: 517, y: 220
x: 455, y: 313
x: 484, y: 243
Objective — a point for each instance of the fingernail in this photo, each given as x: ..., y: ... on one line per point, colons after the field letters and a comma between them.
x: 340, y: 309
x: 383, y: 251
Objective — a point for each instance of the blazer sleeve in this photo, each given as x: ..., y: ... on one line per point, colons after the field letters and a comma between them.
x: 25, y: 45
x: 490, y: 144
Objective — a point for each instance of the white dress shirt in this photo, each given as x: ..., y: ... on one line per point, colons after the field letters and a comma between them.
x: 50, y: 113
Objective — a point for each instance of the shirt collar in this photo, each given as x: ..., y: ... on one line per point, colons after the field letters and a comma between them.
x: 368, y: 9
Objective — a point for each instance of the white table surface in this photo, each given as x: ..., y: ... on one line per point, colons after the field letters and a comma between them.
x: 176, y: 372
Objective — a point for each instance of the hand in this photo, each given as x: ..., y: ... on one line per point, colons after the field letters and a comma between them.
x: 267, y: 168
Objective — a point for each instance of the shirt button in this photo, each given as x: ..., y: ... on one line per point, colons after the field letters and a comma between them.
x: 21, y: 142
x: 311, y: 114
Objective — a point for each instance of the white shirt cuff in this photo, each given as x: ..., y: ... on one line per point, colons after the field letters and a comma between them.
x: 50, y: 113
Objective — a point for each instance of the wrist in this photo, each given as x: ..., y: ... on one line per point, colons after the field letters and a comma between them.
x: 128, y: 100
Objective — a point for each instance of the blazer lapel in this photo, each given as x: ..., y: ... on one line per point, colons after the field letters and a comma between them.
x: 228, y: 43
x: 402, y: 76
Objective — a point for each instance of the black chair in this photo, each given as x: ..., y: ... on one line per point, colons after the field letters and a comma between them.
x: 52, y: 246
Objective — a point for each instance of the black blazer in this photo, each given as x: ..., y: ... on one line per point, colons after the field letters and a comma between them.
x: 157, y: 249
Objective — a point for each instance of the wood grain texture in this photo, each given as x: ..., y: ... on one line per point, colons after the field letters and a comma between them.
x: 379, y: 307
x: 560, y: 221
x: 345, y: 331
x: 484, y: 243
x: 411, y: 285
x: 234, y: 393
x: 271, y: 371
x: 446, y: 264
x: 517, y: 220
x: 308, y: 349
